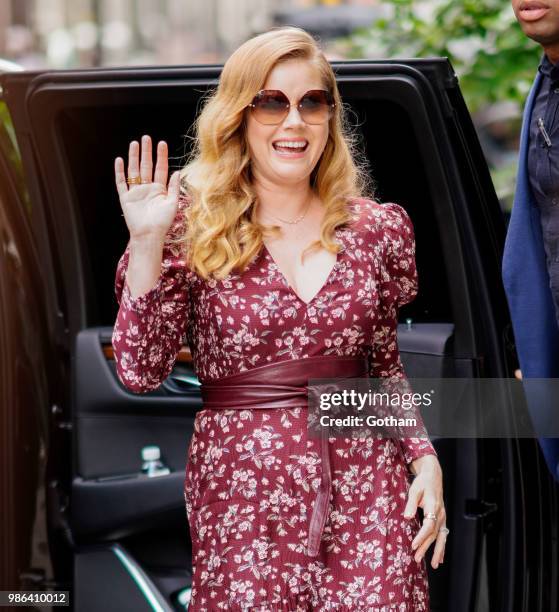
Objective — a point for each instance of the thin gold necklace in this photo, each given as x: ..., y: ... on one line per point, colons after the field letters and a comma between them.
x: 298, y: 219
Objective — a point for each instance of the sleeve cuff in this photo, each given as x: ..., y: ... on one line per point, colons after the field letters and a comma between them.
x: 417, y: 450
x: 144, y: 302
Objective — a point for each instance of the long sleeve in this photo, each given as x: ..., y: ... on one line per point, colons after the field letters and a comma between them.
x: 398, y: 286
x: 149, y: 329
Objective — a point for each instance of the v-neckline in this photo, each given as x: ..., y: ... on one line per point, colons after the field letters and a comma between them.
x: 338, y: 233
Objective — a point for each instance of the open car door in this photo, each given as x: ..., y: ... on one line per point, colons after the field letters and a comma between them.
x: 123, y: 533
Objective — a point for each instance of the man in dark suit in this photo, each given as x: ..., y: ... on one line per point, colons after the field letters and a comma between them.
x: 531, y: 257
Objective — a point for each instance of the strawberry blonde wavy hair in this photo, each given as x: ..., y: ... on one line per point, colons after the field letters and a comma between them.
x: 222, y: 234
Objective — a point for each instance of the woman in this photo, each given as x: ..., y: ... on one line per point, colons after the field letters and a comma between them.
x: 279, y: 521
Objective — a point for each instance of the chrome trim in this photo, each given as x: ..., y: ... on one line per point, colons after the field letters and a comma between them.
x: 142, y: 580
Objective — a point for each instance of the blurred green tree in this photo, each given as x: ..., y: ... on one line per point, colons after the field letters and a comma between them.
x: 492, y: 57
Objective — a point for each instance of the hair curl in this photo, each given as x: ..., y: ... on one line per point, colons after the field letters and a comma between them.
x: 221, y: 232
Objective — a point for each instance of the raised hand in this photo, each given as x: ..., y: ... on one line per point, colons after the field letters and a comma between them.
x: 149, y: 206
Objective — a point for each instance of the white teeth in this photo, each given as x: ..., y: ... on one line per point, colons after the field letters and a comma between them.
x: 293, y: 145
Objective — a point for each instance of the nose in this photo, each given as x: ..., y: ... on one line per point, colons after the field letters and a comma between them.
x: 293, y: 117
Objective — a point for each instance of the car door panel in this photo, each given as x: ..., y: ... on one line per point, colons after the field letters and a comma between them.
x: 111, y: 425
x: 112, y: 508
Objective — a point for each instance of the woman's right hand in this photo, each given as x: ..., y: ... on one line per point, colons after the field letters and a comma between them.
x: 150, y: 208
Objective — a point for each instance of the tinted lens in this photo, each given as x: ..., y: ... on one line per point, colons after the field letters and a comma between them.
x: 270, y: 107
x: 316, y: 106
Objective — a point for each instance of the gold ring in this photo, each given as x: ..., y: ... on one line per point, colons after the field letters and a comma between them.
x: 431, y: 516
x: 133, y: 180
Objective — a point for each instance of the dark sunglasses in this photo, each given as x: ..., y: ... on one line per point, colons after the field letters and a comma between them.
x: 271, y: 106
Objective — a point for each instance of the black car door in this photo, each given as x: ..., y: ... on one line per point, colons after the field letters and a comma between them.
x: 126, y: 533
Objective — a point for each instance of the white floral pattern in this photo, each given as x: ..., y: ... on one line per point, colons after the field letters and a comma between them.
x: 252, y: 475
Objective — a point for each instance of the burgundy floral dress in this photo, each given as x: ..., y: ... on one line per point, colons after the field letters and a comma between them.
x: 252, y: 475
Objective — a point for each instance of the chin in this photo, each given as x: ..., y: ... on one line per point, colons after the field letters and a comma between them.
x: 290, y: 172
x: 286, y: 178
x: 543, y: 33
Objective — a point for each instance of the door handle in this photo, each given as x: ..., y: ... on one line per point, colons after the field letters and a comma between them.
x: 181, y: 383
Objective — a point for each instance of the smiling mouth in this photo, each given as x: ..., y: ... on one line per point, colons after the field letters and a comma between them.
x: 290, y: 149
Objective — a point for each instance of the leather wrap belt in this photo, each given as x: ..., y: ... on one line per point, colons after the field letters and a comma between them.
x: 284, y: 385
